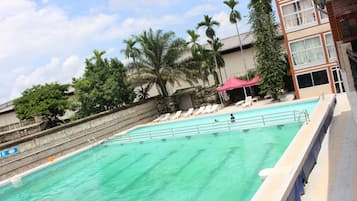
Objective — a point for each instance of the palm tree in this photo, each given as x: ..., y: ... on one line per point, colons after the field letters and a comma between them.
x: 234, y: 18
x: 193, y: 43
x: 162, y: 60
x: 217, y: 56
x: 131, y: 51
x: 208, y: 22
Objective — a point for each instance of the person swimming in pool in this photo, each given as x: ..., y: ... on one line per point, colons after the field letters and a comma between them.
x: 233, y: 119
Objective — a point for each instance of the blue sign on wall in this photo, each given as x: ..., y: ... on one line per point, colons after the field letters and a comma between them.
x: 9, y: 152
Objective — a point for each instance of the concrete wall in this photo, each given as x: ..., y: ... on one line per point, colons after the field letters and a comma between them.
x: 35, y: 149
x: 234, y: 62
x: 8, y: 118
x: 315, y: 91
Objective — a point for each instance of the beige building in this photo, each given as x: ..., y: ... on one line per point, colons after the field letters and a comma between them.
x: 310, y: 46
x: 7, y: 114
x: 234, y: 65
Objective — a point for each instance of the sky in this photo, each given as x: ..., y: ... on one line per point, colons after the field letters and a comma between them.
x: 46, y: 41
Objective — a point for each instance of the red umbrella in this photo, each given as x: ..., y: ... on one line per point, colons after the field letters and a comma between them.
x: 253, y: 81
x: 232, y: 83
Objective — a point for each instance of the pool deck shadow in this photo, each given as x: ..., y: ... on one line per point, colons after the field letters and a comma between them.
x: 334, y: 177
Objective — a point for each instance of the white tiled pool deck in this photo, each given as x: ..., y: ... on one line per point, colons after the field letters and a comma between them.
x: 334, y: 177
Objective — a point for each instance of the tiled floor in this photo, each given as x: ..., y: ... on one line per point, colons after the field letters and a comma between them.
x: 334, y: 177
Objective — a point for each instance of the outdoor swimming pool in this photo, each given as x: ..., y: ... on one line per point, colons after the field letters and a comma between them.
x: 204, y: 167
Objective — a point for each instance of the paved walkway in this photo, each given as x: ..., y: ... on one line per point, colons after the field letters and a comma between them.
x: 334, y: 177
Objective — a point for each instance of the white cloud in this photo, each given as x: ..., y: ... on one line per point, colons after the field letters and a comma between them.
x: 199, y: 10
x: 71, y: 62
x: 137, y: 25
x: 55, y: 71
x: 110, y: 51
x: 13, y: 7
x: 122, y: 4
x: 48, y: 31
x: 225, y: 28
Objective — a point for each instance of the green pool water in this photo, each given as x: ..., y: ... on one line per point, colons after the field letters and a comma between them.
x: 208, y: 167
x: 220, y: 166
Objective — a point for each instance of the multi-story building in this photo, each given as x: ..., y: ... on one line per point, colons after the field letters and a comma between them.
x: 310, y: 47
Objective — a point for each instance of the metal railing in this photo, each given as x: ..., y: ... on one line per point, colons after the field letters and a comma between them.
x: 244, y: 123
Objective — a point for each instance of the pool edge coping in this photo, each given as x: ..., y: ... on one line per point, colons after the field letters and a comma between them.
x: 279, y: 184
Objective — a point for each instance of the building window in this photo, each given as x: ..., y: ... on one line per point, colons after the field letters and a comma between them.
x: 312, y: 79
x: 337, y: 78
x: 305, y: 80
x: 299, y: 14
x: 330, y: 47
x: 323, y: 14
x: 307, y: 52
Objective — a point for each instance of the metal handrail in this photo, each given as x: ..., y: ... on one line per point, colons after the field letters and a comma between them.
x: 245, y: 123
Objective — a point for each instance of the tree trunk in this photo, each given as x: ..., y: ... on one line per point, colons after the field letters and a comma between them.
x: 219, y: 70
x: 241, y: 52
x: 163, y: 88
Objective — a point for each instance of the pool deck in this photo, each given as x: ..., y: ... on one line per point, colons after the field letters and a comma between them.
x: 334, y: 177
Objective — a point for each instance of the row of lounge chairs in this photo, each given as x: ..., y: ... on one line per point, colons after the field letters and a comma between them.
x: 247, y: 102
x: 202, y: 110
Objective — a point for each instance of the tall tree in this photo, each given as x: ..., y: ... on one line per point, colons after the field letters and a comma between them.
x: 103, y: 86
x: 163, y: 60
x: 270, y: 64
x: 200, y: 55
x: 217, y: 56
x: 193, y: 43
x: 234, y: 18
x: 49, y: 101
x: 131, y: 52
x: 209, y: 23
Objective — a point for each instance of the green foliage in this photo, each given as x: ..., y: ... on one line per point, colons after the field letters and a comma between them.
x: 193, y: 43
x: 162, y: 60
x: 215, y: 44
x: 251, y: 73
x: 48, y: 101
x: 270, y: 64
x: 103, y: 86
x: 204, y: 58
x: 234, y: 15
x: 208, y: 22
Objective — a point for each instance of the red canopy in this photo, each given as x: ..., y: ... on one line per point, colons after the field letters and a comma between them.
x: 253, y: 81
x: 233, y: 83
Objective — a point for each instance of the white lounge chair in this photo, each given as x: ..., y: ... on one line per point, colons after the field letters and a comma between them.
x: 268, y: 96
x: 176, y: 115
x: 166, y: 117
x: 248, y: 101
x: 188, y: 113
x: 214, y: 108
x: 161, y: 117
x: 239, y: 103
x: 255, y: 99
x: 199, y: 110
x: 207, y: 109
x: 289, y: 97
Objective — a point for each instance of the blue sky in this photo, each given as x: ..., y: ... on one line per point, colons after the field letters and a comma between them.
x: 44, y: 41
